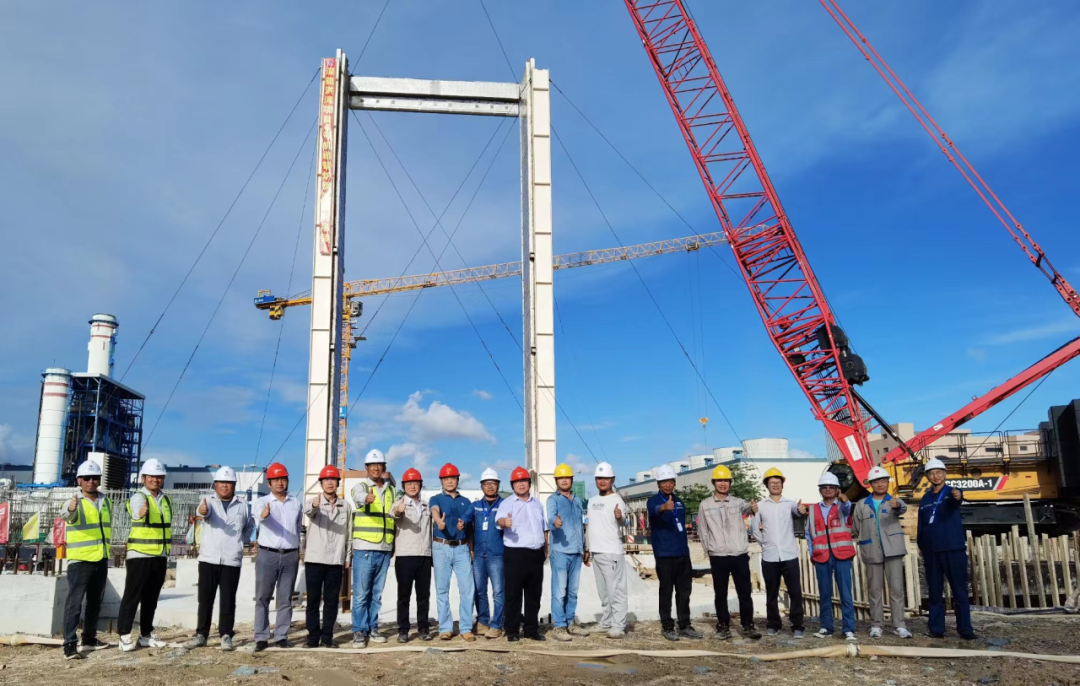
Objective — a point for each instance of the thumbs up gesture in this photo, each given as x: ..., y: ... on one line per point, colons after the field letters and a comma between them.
x: 203, y: 509
x: 399, y: 508
x: 315, y: 502
x: 669, y: 505
x: 73, y: 504
x: 802, y: 508
x: 370, y: 498
x: 558, y: 521
x: 896, y: 503
x: 753, y: 506
x: 265, y: 511
x: 618, y: 513
x: 956, y: 494
x: 144, y: 509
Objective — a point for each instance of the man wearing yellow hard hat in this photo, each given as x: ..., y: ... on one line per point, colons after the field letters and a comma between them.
x: 566, y: 519
x: 723, y: 537
x: 773, y: 525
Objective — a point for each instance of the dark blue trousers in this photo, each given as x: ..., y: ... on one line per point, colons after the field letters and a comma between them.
x: 951, y: 565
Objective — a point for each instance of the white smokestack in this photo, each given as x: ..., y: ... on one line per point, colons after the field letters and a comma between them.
x: 55, y: 397
x: 102, y: 344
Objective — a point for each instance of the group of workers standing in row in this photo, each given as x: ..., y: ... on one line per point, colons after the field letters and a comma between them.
x: 504, y: 543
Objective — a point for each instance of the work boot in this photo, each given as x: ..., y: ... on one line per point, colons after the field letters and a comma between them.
x: 482, y: 629
x: 750, y: 632
x: 690, y: 632
x: 671, y: 634
x: 493, y: 633
x: 226, y: 644
x: 89, y: 644
x: 723, y: 632
x: 513, y: 638
x: 359, y: 640
x: 468, y: 636
x: 152, y: 641
x: 575, y: 630
x: 536, y: 637
x: 425, y: 635
x: 559, y: 634
x: 261, y: 646
x: 283, y: 643
x: 198, y: 641
x: 71, y: 651
x: 446, y: 635
x: 329, y: 643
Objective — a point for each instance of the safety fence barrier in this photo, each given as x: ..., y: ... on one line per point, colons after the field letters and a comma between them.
x: 860, y: 587
x: 1010, y: 571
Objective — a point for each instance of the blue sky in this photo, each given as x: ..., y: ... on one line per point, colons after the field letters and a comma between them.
x: 125, y: 133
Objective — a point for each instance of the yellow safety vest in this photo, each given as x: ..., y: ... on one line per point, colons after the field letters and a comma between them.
x: 87, y: 538
x: 152, y: 535
x: 373, y: 522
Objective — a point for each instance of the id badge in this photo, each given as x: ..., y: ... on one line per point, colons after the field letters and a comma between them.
x: 932, y: 517
x: 679, y: 524
x: 485, y: 525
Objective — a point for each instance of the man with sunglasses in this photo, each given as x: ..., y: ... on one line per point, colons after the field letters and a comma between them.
x: 87, y: 541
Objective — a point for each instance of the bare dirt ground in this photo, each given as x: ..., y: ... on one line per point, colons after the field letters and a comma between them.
x: 1056, y: 635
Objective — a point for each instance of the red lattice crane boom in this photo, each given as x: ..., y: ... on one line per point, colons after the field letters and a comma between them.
x: 785, y: 290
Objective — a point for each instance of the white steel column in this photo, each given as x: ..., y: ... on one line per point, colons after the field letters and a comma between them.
x: 538, y: 299
x: 327, y: 273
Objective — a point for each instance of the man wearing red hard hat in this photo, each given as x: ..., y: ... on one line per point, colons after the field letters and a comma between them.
x: 452, y: 514
x: 525, y: 541
x: 278, y: 559
x: 412, y: 556
x: 326, y: 552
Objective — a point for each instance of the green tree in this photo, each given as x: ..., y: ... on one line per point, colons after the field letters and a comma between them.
x: 745, y: 484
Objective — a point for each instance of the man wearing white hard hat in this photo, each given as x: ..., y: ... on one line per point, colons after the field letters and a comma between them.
x: 148, y: 546
x: 226, y: 528
x: 607, y: 513
x: 832, y: 548
x: 87, y: 543
x: 943, y: 545
x: 671, y: 549
x: 372, y: 542
x: 882, y: 547
x: 488, y: 558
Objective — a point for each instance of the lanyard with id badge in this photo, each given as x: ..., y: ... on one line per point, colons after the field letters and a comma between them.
x: 934, y: 507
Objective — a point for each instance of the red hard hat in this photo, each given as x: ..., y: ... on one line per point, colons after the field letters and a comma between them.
x: 329, y: 472
x: 520, y: 474
x: 448, y: 469
x: 276, y: 471
x: 411, y: 475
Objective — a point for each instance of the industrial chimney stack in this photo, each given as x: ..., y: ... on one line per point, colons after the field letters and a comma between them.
x: 102, y: 344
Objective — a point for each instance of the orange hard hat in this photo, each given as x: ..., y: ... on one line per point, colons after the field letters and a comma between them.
x: 276, y: 471
x: 411, y: 475
x: 448, y: 469
x: 520, y: 474
x: 329, y: 472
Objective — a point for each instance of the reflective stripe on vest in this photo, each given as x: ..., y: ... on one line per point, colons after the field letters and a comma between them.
x: 153, y: 535
x: 833, y: 537
x: 372, y: 522
x: 88, y: 538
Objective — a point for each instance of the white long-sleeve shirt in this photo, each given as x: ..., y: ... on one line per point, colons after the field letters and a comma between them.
x: 774, y: 528
x: 226, y: 527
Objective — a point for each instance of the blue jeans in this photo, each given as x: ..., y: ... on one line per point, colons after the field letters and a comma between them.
x: 484, y: 569
x: 841, y: 570
x: 368, y: 578
x: 453, y: 560
x: 565, y: 572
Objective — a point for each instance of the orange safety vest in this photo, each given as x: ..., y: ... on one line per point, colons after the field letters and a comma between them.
x: 835, y: 537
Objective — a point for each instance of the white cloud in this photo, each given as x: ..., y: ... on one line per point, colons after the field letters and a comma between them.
x: 482, y: 394
x: 405, y: 455
x: 580, y: 466
x: 800, y: 454
x: 977, y: 354
x: 1034, y: 333
x: 440, y: 421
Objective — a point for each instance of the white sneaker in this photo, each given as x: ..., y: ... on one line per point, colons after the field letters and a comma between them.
x: 152, y: 641
x: 875, y: 632
x: 850, y: 636
x: 376, y: 637
x: 903, y: 633
x: 823, y: 633
x: 227, y: 644
x: 616, y: 633
x: 126, y: 644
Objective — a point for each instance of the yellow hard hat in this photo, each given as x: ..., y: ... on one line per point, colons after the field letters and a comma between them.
x: 771, y: 472
x: 721, y: 472
x: 564, y: 470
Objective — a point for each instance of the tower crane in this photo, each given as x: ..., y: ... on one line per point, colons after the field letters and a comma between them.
x: 353, y: 290
x: 788, y: 297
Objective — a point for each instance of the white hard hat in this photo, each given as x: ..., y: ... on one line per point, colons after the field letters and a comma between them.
x: 375, y: 456
x: 828, y: 479
x: 225, y: 474
x: 876, y: 473
x: 152, y: 468
x: 933, y: 464
x: 604, y: 470
x: 89, y: 468
x: 664, y: 472
x: 489, y: 475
